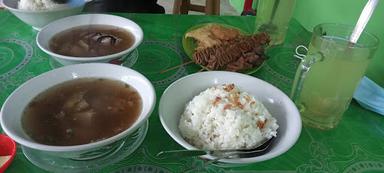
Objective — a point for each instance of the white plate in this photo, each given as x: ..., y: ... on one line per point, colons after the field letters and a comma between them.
x: 38, y: 19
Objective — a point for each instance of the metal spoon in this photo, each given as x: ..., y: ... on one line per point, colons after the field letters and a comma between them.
x: 363, y: 20
x: 60, y: 1
x: 68, y: 1
x: 220, y: 154
x: 270, y: 27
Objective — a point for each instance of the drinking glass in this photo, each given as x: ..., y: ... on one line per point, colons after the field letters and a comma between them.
x: 273, y: 17
x: 329, y: 74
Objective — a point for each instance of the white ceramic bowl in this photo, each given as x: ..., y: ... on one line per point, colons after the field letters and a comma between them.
x: 14, y: 105
x: 178, y: 94
x: 38, y: 19
x: 45, y: 35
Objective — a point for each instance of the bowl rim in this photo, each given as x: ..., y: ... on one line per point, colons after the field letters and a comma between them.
x: 41, y: 11
x: 71, y: 148
x: 266, y: 156
x: 138, y: 39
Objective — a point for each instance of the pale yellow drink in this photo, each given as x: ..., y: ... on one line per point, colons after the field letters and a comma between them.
x: 335, y: 69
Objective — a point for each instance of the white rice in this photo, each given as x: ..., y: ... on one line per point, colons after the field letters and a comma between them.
x: 223, y: 117
x: 36, y: 5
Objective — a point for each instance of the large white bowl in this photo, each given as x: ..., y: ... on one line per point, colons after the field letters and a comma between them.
x: 12, y: 110
x: 45, y: 35
x: 178, y: 94
x: 38, y: 19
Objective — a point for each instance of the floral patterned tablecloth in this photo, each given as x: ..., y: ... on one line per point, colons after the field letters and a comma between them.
x: 356, y: 145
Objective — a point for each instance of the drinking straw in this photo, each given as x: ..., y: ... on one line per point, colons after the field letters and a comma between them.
x: 363, y: 20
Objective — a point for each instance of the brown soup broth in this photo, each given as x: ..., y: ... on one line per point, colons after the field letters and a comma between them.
x: 91, y: 41
x: 81, y: 111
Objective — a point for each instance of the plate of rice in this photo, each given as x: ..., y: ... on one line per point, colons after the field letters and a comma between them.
x: 223, y: 117
x: 229, y: 110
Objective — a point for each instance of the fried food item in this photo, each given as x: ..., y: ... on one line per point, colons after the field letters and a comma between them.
x: 211, y: 35
x: 222, y: 33
x: 224, y: 48
x: 238, y: 54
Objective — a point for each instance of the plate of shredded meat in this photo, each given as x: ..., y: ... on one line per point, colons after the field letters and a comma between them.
x: 223, y: 47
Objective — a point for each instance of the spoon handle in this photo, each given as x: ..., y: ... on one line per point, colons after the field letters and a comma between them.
x: 261, y: 149
x: 60, y: 1
x: 363, y: 20
x: 180, y: 153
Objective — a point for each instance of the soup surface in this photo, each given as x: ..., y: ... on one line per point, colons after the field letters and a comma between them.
x: 91, y: 41
x: 81, y: 111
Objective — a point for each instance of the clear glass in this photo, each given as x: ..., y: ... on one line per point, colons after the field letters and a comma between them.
x: 329, y: 74
x: 54, y: 163
x: 273, y: 17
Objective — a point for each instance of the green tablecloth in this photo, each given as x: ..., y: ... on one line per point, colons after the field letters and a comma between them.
x: 356, y: 145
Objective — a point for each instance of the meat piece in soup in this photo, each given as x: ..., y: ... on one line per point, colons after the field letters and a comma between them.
x: 91, y: 41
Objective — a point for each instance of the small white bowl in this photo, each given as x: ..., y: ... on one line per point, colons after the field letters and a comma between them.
x: 38, y: 19
x: 12, y: 110
x: 178, y: 94
x: 45, y: 35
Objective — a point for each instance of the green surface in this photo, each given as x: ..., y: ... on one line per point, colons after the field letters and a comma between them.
x: 356, y: 145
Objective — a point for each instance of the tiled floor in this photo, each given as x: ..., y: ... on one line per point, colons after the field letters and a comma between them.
x: 225, y: 7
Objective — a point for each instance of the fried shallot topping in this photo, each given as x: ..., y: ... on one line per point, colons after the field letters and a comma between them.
x: 216, y: 101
